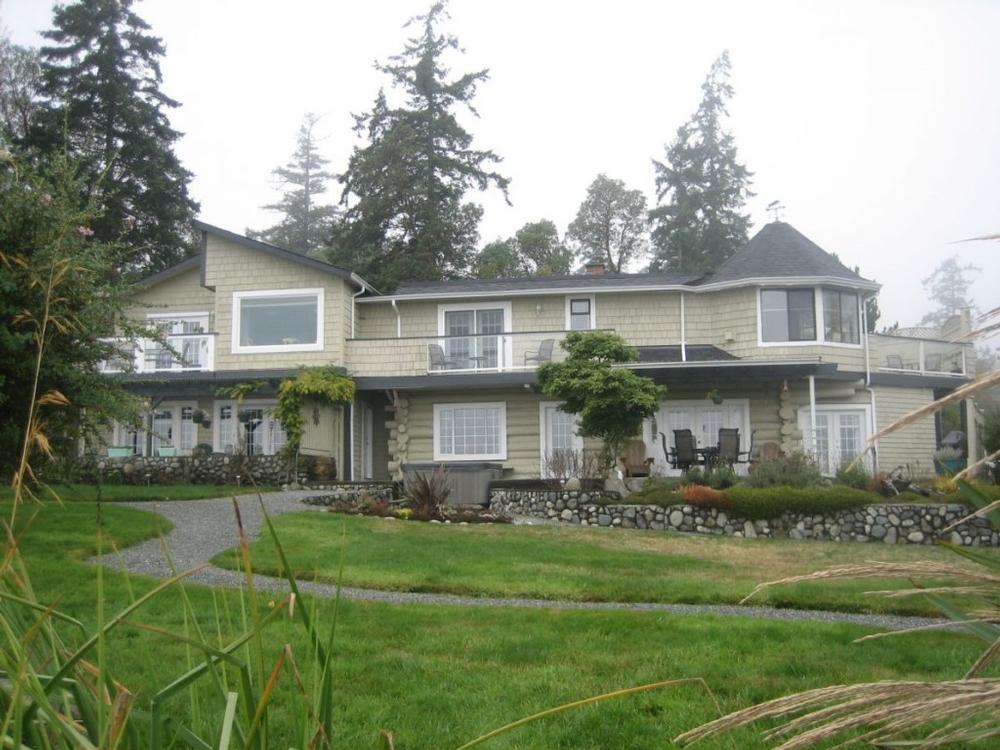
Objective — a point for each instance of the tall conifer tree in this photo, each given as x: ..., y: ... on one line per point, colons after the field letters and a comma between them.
x: 701, y: 188
x: 101, y: 76
x: 406, y: 217
x: 306, y: 225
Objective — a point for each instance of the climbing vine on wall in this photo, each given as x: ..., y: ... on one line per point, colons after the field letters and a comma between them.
x: 324, y: 386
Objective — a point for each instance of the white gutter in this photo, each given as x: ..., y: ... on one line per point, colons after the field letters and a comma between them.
x: 684, y: 354
x: 585, y: 289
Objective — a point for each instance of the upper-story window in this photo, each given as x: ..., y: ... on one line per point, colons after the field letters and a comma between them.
x: 793, y: 316
x: 278, y: 320
x: 787, y: 315
x: 472, y: 335
x: 840, y: 317
x: 580, y: 313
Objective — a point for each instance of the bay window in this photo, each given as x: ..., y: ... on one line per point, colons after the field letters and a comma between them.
x: 840, y: 316
x: 793, y: 316
x: 470, y: 432
x: 285, y: 320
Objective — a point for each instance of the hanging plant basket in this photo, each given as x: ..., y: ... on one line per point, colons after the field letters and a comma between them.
x: 245, y: 417
x: 714, y: 396
x: 201, y: 417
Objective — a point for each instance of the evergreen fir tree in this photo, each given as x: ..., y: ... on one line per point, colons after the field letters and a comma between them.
x: 306, y: 225
x: 404, y: 190
x: 101, y: 76
x: 702, y: 188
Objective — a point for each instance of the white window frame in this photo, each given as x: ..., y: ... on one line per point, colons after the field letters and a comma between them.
x: 452, y: 458
x: 820, y: 339
x: 506, y: 340
x: 804, y: 420
x: 593, y: 310
x: 238, y: 297
x: 121, y: 430
x: 543, y: 436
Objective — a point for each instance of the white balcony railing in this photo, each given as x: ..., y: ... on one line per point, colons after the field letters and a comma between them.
x: 907, y: 354
x: 184, y: 352
x: 494, y: 352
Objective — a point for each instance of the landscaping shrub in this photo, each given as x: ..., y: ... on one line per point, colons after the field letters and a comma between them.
x: 793, y: 470
x: 771, y: 502
x: 426, y: 493
x: 704, y: 496
x: 856, y: 477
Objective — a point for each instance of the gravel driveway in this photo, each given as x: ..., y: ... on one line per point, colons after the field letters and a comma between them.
x: 203, y: 528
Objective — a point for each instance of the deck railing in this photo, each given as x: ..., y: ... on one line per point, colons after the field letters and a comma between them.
x: 182, y: 352
x: 906, y: 354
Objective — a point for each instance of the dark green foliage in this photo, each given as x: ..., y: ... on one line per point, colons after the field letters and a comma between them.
x: 611, y: 401
x: 101, y: 75
x: 857, y: 477
x: 795, y: 470
x: 305, y: 226
x: 404, y: 190
x: 535, y: 250
x: 610, y: 225
x: 717, y: 477
x: 326, y: 386
x: 701, y: 187
x: 44, y: 227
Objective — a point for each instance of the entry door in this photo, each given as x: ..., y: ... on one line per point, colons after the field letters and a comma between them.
x: 367, y: 427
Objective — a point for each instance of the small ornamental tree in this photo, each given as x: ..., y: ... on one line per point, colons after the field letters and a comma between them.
x: 611, y: 402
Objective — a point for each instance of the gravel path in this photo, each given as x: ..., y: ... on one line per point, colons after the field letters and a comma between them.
x: 203, y: 528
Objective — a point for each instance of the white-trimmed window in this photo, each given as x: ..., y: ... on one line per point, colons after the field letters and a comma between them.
x: 278, y: 320
x: 472, y: 335
x: 841, y: 434
x: 840, y: 317
x: 808, y: 315
x: 559, y: 437
x: 174, y: 431
x: 469, y: 432
x: 581, y: 313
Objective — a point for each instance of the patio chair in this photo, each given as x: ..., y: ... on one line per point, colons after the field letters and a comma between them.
x: 544, y: 353
x: 894, y: 361
x: 932, y: 362
x: 729, y: 447
x: 683, y: 455
x: 438, y: 362
x: 635, y: 461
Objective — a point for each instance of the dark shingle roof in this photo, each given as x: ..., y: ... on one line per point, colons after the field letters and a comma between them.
x: 544, y: 283
x: 777, y: 250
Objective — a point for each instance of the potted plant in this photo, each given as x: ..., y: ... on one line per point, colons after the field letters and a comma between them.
x: 166, y: 451
x: 200, y: 417
x: 714, y: 396
x: 948, y: 461
x: 120, y: 451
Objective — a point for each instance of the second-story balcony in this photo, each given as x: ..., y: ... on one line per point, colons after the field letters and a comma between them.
x: 180, y: 352
x: 493, y: 352
x: 913, y: 355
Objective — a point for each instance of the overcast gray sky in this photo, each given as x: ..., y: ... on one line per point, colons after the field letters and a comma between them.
x: 876, y: 123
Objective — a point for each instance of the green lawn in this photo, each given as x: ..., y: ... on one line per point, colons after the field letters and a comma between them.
x: 114, y: 493
x: 437, y: 676
x: 559, y: 562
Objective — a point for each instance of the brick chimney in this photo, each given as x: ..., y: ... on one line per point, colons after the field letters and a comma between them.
x: 596, y: 268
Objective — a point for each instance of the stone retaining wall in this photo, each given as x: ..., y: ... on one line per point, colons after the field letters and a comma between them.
x: 889, y: 524
x: 217, y: 468
x: 349, y: 493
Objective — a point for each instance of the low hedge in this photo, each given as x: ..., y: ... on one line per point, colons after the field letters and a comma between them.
x: 765, y: 502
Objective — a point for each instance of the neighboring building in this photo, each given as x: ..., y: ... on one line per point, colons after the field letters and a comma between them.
x: 445, y: 370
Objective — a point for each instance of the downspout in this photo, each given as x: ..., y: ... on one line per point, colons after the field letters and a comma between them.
x: 354, y: 305
x: 812, y: 414
x: 873, y: 427
x: 683, y: 331
x: 399, y: 321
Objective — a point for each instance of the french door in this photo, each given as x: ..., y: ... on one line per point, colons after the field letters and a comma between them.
x: 841, y: 435
x: 473, y: 341
x: 704, y: 419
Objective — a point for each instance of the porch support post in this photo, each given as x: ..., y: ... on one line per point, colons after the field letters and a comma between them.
x: 812, y: 414
x: 683, y: 331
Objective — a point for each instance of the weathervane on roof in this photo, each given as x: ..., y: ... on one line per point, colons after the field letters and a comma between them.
x: 776, y: 209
